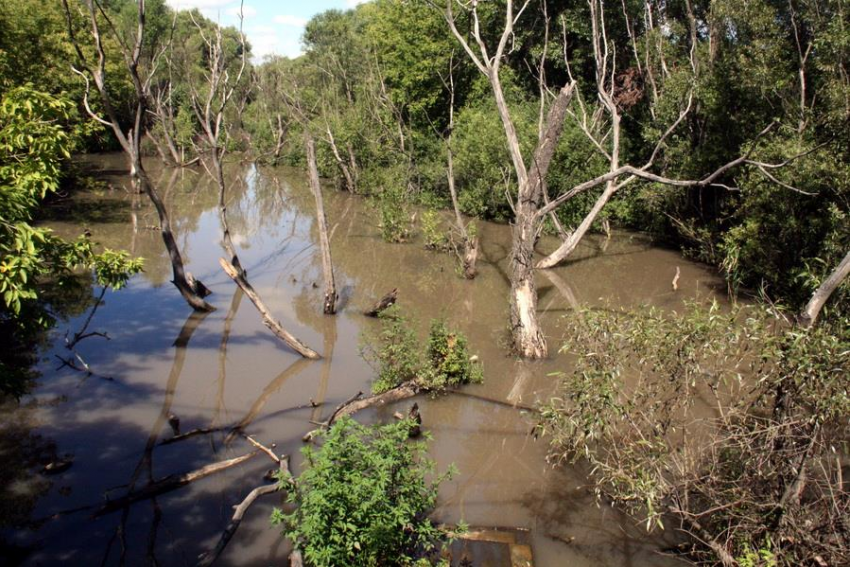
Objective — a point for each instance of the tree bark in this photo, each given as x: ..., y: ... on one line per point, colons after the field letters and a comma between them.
x: 343, y: 167
x: 268, y: 320
x: 322, y: 223
x: 812, y: 310
x: 571, y: 242
x: 192, y: 290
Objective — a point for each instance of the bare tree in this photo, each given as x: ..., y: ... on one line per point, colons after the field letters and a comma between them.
x: 619, y: 91
x: 210, y: 100
x: 329, y: 305
x: 293, y: 94
x: 527, y: 335
x: 468, y: 252
x: 192, y: 290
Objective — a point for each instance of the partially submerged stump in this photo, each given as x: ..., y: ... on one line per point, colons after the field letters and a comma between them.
x: 385, y: 302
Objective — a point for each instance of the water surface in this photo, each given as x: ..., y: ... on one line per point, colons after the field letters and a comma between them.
x: 225, y: 368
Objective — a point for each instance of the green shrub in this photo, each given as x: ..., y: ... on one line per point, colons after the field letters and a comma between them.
x: 395, y: 219
x: 395, y: 351
x: 397, y: 355
x: 363, y: 499
x: 636, y: 402
x: 450, y: 362
x: 435, y: 237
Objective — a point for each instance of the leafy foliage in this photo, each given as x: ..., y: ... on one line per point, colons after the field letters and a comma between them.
x: 398, y: 355
x: 34, y: 142
x: 363, y: 498
x: 639, y: 408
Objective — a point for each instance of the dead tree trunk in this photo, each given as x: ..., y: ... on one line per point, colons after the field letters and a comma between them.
x: 268, y: 320
x: 388, y: 300
x: 469, y: 250
x: 527, y: 336
x: 322, y: 223
x: 343, y: 166
x: 227, y: 240
x: 810, y: 313
x: 192, y: 290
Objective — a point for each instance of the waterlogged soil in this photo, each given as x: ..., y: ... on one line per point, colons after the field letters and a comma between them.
x: 225, y: 368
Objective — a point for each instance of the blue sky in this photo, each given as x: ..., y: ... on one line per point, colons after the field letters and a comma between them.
x: 272, y: 27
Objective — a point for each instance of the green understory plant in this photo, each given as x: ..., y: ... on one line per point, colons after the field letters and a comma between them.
x: 397, y: 355
x: 364, y: 499
x: 728, y: 422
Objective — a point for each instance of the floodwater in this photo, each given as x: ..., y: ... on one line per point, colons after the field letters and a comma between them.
x: 225, y: 368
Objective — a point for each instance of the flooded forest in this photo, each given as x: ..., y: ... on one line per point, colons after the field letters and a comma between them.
x: 425, y: 282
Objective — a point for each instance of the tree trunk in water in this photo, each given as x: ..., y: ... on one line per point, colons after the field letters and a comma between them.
x: 222, y: 211
x: 570, y: 244
x: 528, y: 338
x: 268, y: 320
x: 810, y: 313
x: 470, y: 245
x: 470, y: 257
x: 192, y: 290
x: 324, y: 241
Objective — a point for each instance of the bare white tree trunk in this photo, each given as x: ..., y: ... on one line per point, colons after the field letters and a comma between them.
x: 329, y: 306
x: 527, y: 335
x: 810, y: 313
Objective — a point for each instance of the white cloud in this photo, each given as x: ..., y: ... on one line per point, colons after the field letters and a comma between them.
x: 247, y: 11
x: 353, y: 3
x: 269, y: 40
x: 289, y: 20
x: 202, y: 4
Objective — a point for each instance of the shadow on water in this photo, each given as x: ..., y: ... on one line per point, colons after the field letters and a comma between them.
x: 223, y: 374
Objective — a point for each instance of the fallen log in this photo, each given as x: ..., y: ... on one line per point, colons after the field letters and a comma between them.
x: 355, y: 404
x: 387, y: 301
x: 494, y: 401
x: 268, y: 320
x: 190, y: 434
x: 208, y: 558
x: 169, y: 483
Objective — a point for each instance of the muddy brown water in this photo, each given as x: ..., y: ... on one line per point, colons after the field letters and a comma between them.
x: 225, y: 368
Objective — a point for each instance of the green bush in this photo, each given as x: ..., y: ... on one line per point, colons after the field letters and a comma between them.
x: 762, y: 401
x: 363, y: 499
x: 435, y: 237
x: 394, y: 215
x: 450, y: 363
x: 395, y: 351
x: 397, y: 354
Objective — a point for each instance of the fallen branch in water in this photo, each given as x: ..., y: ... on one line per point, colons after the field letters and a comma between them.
x: 268, y: 320
x: 190, y: 434
x: 169, y: 483
x: 388, y: 300
x: 502, y: 403
x: 356, y: 403
x: 208, y: 558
